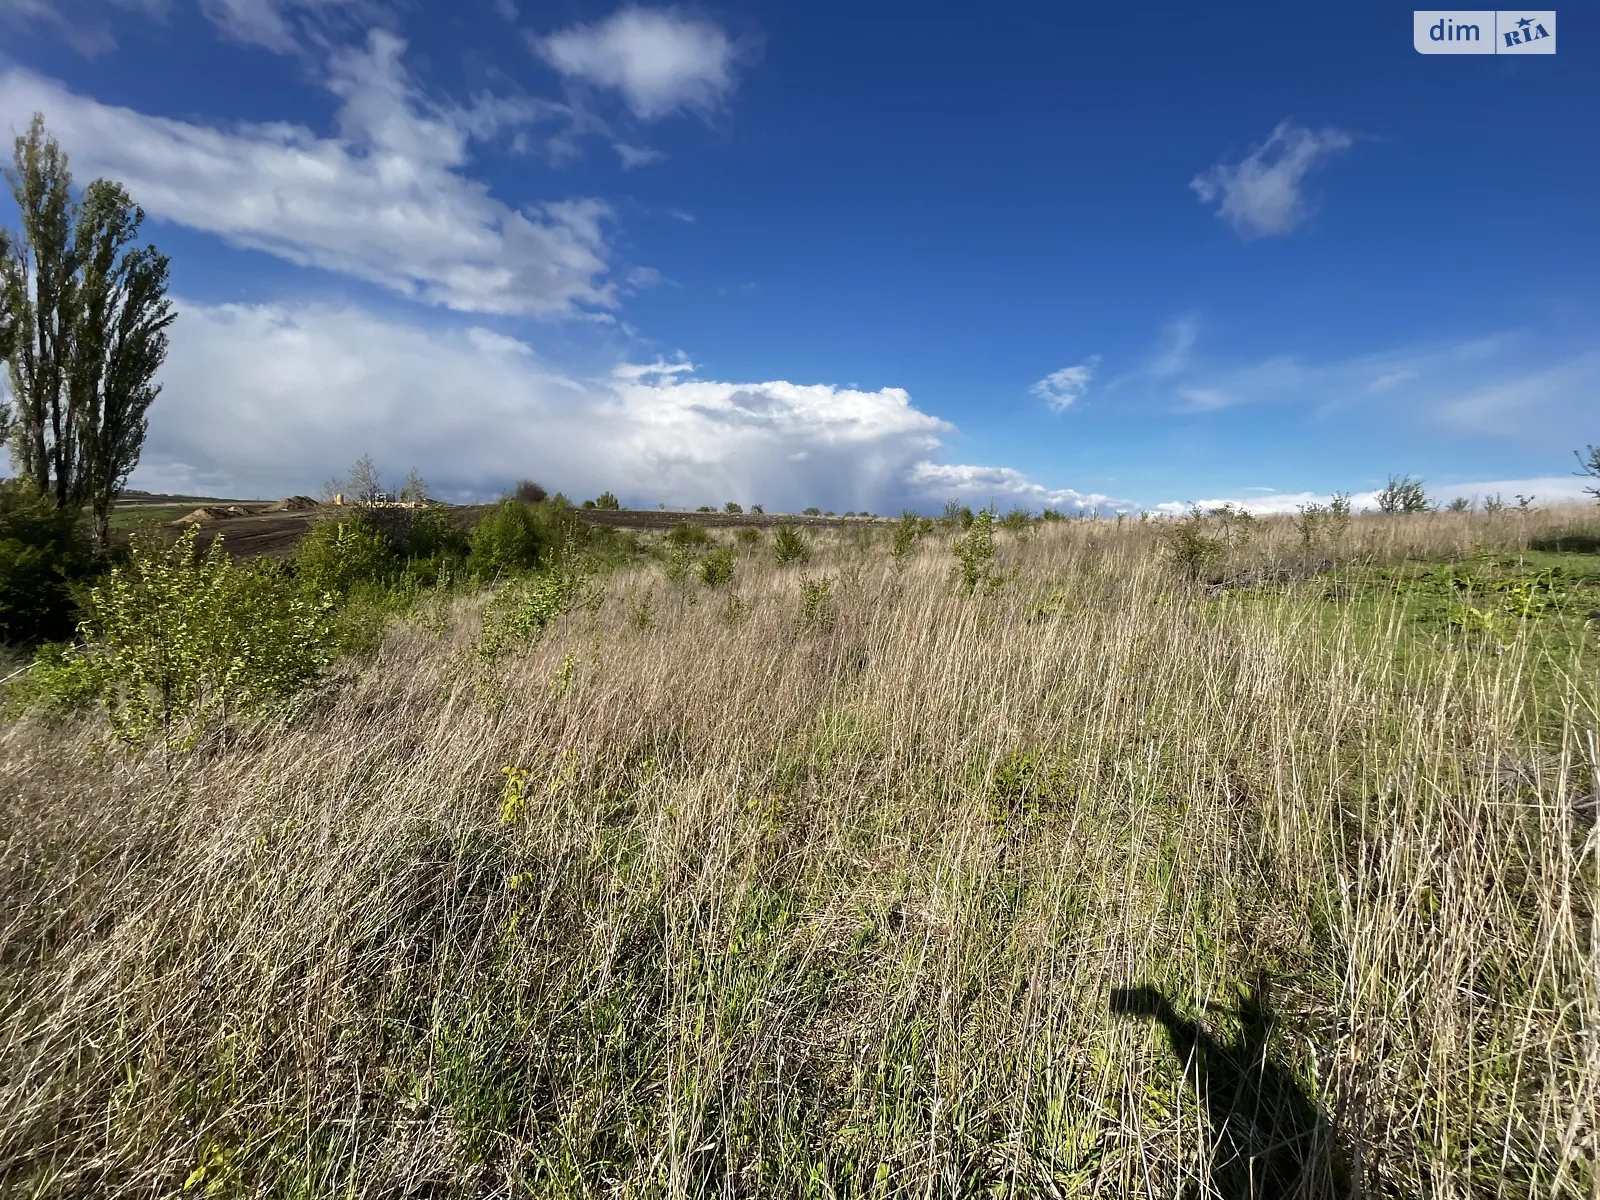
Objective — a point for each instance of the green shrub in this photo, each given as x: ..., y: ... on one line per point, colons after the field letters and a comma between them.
x: 813, y: 511
x: 733, y: 508
x: 337, y: 556
x: 705, y: 508
x: 528, y: 492
x: 716, y: 568
x: 521, y: 612
x: 434, y: 534
x: 907, y: 532
x: 789, y: 545
x: 689, y: 534
x: 1402, y: 494
x: 179, y: 638
x: 60, y: 679
x: 607, y: 501
x: 44, y: 555
x: 505, y: 542
x: 1018, y: 520
x: 974, y: 553
x: 748, y: 538
x: 1189, y: 548
x: 816, y: 601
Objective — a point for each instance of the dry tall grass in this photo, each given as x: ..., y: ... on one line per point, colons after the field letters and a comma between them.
x: 928, y: 895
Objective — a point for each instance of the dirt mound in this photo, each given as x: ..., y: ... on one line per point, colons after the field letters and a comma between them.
x: 201, y: 515
x: 292, y: 504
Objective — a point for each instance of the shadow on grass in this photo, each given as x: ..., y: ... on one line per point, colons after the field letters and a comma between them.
x: 1271, y: 1138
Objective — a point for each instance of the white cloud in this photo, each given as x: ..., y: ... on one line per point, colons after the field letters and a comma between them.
x: 1061, y: 389
x: 1175, y: 348
x: 272, y: 23
x: 386, y: 201
x: 269, y: 400
x: 637, y: 156
x: 1262, y: 196
x: 660, y: 60
x: 1543, y: 489
x: 1552, y: 401
x: 1003, y: 487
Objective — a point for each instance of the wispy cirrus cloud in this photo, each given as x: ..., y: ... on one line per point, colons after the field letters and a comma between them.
x: 1263, y: 194
x: 1062, y: 389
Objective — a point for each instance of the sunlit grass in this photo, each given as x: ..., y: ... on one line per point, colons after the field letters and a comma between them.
x: 830, y: 891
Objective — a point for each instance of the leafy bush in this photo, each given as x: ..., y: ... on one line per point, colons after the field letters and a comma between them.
x: 434, y: 534
x: 505, y: 542
x: 758, y: 509
x: 337, y: 556
x: 716, y: 568
x: 813, y: 511
x: 1018, y: 520
x: 44, y: 554
x: 908, y: 531
x: 528, y: 492
x: 816, y: 601
x: 748, y: 538
x: 974, y: 553
x: 957, y: 513
x: 705, y: 508
x: 689, y: 534
x: 179, y: 638
x: 1052, y: 514
x: 607, y: 501
x: 1402, y: 495
x: 733, y: 507
x: 789, y: 545
x: 1189, y: 548
x: 520, y: 613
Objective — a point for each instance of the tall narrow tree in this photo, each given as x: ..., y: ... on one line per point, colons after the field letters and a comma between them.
x: 87, y: 313
x: 119, y: 342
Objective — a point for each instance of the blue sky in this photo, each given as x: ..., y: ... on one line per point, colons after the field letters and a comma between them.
x: 1097, y: 258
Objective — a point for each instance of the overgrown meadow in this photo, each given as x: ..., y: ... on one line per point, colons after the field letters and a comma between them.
x: 965, y: 858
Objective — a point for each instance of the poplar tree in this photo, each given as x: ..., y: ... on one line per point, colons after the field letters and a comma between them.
x: 83, y: 320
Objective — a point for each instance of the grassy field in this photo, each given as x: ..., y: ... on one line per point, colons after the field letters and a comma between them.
x: 1275, y: 878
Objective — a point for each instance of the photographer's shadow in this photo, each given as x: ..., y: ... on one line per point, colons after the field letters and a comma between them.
x: 1271, y: 1140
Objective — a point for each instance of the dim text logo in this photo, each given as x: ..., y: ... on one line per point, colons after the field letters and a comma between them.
x: 1486, y: 31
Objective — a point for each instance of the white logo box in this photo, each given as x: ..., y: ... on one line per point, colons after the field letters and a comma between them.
x: 1484, y: 31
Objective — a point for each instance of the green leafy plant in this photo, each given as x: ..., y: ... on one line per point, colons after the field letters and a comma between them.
x: 505, y: 543
x: 44, y: 555
x: 812, y: 511
x: 974, y: 552
x: 816, y: 601
x: 521, y: 612
x: 908, y: 531
x: 716, y: 568
x: 1189, y: 548
x: 179, y: 637
x: 688, y: 534
x: 733, y: 508
x: 1402, y: 495
x: 336, y: 557
x: 608, y: 502
x: 789, y: 545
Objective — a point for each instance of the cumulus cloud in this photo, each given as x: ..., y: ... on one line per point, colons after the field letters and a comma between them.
x: 662, y: 61
x: 1004, y: 487
x: 1061, y: 389
x: 1543, y: 489
x: 1262, y: 195
x: 386, y: 201
x: 271, y: 399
